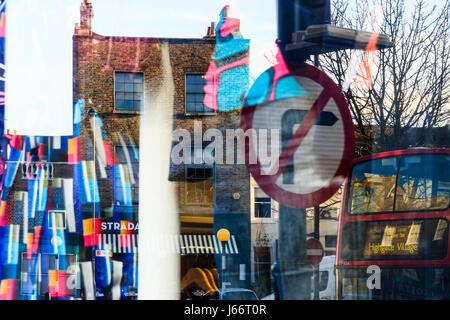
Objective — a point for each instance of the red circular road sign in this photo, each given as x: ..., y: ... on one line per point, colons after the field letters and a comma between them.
x: 314, y: 251
x: 317, y: 140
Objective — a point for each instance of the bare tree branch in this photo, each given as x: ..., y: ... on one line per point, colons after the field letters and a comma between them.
x: 411, y: 86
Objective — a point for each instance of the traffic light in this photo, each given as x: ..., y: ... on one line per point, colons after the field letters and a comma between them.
x: 311, y: 12
x: 294, y: 15
x: 305, y: 29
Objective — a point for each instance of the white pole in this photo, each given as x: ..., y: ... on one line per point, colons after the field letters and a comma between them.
x: 158, y: 218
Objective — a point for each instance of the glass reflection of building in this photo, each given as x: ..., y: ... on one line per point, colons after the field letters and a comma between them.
x: 69, y: 210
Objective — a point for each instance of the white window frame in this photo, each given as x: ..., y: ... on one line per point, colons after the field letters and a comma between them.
x: 273, y: 206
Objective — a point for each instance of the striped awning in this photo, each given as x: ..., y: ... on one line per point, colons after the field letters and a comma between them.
x: 118, y: 243
x: 181, y: 244
x: 205, y: 244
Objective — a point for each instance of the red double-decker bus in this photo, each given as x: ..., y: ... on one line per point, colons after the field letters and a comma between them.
x: 393, y: 238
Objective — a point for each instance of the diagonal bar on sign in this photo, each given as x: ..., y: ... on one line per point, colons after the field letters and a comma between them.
x: 301, y: 132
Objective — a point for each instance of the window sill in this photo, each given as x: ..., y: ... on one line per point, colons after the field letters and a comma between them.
x: 263, y: 220
x: 127, y: 111
x: 199, y: 205
x: 195, y: 114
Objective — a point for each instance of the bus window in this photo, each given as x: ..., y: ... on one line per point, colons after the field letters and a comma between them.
x: 397, y: 283
x: 372, y: 186
x: 424, y: 239
x: 422, y: 184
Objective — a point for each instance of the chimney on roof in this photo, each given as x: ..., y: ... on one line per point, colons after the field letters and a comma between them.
x: 211, y: 31
x: 84, y: 28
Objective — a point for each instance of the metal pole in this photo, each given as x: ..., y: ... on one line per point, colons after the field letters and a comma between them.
x: 287, y: 17
x: 317, y: 236
x: 316, y: 222
x: 222, y: 265
x: 316, y: 60
x: 294, y: 268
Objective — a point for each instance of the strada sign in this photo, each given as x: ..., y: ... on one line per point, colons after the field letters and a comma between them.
x: 119, y: 226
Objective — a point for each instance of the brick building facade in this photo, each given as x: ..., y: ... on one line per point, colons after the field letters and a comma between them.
x: 206, y: 194
x: 69, y: 209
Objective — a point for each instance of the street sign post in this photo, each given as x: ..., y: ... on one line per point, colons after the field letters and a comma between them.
x: 317, y: 140
x: 316, y: 133
x: 303, y: 30
x: 314, y: 251
x: 314, y: 254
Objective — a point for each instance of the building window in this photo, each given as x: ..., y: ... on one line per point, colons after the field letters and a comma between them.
x: 195, y: 94
x: 262, y: 263
x: 48, y: 281
x: 56, y: 220
x: 262, y: 204
x: 127, y: 157
x: 129, y: 88
x: 199, y: 185
x: 330, y: 241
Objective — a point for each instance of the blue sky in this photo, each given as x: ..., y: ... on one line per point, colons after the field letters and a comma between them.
x: 39, y: 46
